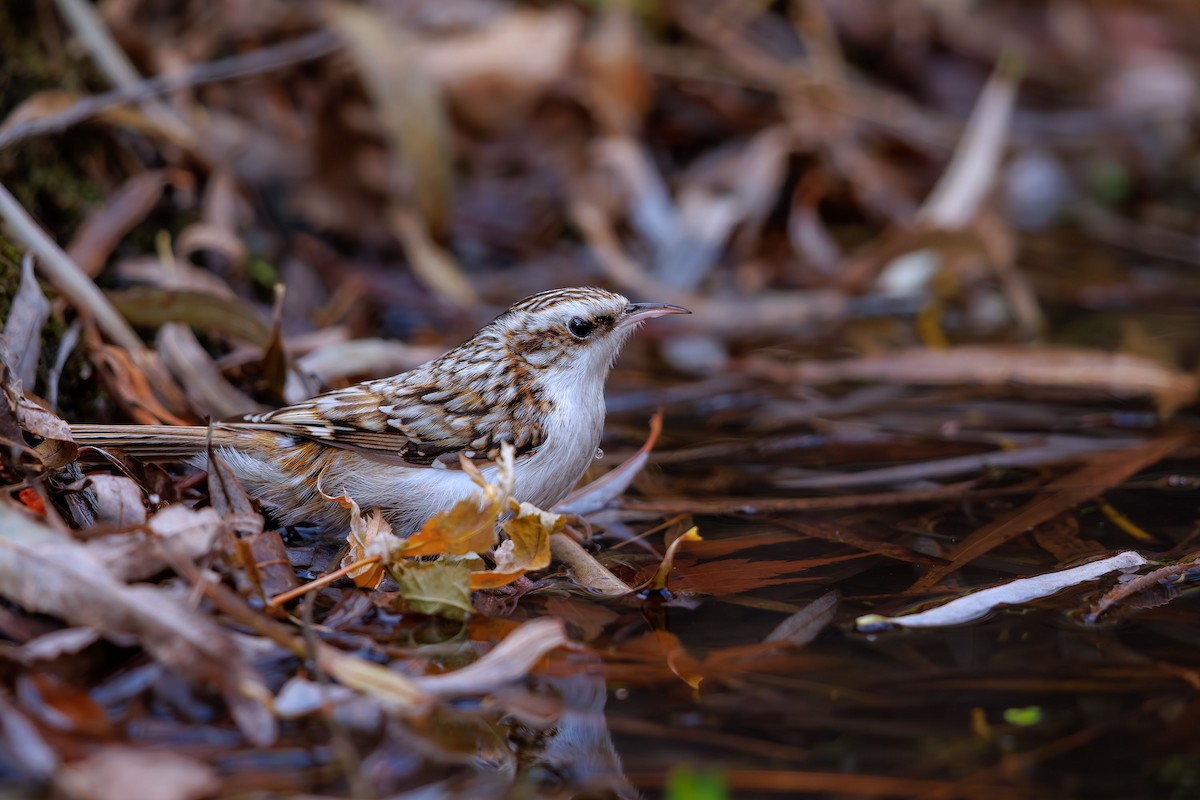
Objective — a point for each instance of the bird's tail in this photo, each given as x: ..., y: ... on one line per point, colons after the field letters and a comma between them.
x: 155, y: 442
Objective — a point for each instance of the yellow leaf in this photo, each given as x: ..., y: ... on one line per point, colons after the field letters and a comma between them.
x: 527, y: 548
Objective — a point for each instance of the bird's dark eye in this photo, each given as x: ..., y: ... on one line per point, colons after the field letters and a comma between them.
x: 580, y: 328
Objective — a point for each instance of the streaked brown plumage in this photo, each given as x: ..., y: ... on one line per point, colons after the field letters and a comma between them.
x: 533, y: 377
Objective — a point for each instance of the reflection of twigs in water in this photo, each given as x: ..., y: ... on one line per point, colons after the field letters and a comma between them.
x: 268, y: 59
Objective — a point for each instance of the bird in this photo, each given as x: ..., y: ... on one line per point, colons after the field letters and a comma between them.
x: 532, y: 378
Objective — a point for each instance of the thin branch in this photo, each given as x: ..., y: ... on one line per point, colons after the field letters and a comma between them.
x: 268, y: 59
x: 66, y: 275
x: 113, y: 62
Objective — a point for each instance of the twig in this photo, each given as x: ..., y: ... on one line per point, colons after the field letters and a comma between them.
x: 268, y: 59
x: 67, y: 277
x: 113, y: 62
x: 324, y: 580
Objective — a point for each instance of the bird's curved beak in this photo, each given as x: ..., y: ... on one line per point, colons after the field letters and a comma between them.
x: 636, y: 312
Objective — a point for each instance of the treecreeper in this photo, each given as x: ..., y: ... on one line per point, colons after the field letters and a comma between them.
x: 533, y: 377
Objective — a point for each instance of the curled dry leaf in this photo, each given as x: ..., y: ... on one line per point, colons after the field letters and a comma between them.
x: 118, y: 501
x: 585, y: 569
x: 509, y: 661
x: 526, y: 549
x: 1022, y: 590
x: 23, y: 328
x: 131, y: 385
x: 44, y: 105
x: 659, y: 581
x: 369, y: 537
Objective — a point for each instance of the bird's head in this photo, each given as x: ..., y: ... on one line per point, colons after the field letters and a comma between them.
x: 573, y: 332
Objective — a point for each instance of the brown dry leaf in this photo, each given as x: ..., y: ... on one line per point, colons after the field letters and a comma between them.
x: 118, y: 501
x: 131, y: 386
x: 526, y: 549
x: 659, y: 581
x: 430, y: 262
x: 46, y: 572
x: 495, y: 74
x: 1099, y: 473
x: 177, y: 529
x: 509, y: 661
x: 104, y: 227
x: 265, y: 554
x: 23, y: 328
x: 58, y: 448
x: 469, y: 526
x: 1106, y: 374
x: 137, y: 775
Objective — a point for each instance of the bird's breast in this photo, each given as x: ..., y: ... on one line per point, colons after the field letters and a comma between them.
x: 572, y: 432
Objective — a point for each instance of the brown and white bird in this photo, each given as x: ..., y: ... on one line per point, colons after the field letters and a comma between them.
x: 533, y: 377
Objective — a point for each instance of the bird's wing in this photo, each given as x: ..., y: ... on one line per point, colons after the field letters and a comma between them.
x: 411, y: 423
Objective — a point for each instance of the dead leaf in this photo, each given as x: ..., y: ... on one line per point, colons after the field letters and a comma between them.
x: 138, y: 555
x: 118, y: 501
x: 1013, y: 593
x: 585, y: 569
x: 369, y: 537
x: 526, y: 549
x: 441, y: 588
x: 103, y: 228
x: 23, y: 329
x: 659, y: 581
x: 131, y: 385
x: 45, y: 571
x: 208, y: 392
x: 509, y: 661
x: 137, y: 775
x: 50, y: 103
x: 152, y: 307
